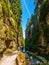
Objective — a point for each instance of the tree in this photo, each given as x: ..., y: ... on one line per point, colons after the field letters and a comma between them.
x: 38, y: 42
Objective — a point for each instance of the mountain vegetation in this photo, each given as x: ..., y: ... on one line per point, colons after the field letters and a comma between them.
x: 37, y: 30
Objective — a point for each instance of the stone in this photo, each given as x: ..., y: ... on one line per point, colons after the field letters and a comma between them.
x: 21, y: 58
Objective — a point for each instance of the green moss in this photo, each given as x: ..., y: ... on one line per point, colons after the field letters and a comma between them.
x: 7, y: 51
x: 4, y: 5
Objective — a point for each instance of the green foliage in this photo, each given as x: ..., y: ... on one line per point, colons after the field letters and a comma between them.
x: 16, y: 8
x: 44, y: 11
x: 21, y: 34
x: 38, y: 42
x: 4, y: 5
x: 31, y: 41
x: 35, y: 56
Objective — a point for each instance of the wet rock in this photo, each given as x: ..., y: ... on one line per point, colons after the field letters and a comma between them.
x: 21, y: 58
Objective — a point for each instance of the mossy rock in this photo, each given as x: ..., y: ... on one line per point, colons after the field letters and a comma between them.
x: 5, y: 7
x: 1, y: 13
x: 2, y: 45
x: 21, y: 58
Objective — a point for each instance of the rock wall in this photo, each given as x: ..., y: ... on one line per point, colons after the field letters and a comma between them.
x: 15, y: 58
x: 8, y: 36
x: 8, y: 29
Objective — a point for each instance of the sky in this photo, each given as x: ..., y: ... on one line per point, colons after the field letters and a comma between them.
x: 28, y: 7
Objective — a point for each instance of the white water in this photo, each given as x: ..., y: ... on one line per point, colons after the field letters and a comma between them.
x: 9, y: 59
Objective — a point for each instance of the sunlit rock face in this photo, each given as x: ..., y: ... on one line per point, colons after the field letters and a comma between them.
x: 7, y: 33
x: 21, y: 58
x: 2, y: 28
x: 8, y: 37
x: 10, y: 59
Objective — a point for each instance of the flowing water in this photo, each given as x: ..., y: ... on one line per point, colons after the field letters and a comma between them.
x: 9, y: 59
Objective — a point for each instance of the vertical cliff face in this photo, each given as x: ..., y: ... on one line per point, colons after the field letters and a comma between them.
x: 7, y: 31
x: 2, y: 29
x: 10, y: 30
